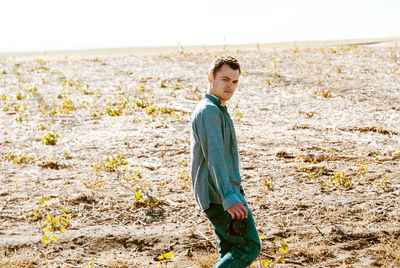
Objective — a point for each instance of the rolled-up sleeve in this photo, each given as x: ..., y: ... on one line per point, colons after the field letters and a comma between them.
x: 208, y: 126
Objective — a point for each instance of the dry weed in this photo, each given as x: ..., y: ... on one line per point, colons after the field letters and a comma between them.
x: 387, y: 253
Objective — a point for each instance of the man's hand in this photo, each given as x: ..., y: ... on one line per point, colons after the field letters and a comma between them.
x: 238, y: 211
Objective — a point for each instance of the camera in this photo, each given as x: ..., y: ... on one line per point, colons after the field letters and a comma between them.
x: 237, y: 227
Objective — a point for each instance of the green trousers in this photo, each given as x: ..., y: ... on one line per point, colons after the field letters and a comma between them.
x: 234, y: 251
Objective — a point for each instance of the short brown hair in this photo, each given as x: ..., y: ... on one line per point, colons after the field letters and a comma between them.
x: 221, y: 61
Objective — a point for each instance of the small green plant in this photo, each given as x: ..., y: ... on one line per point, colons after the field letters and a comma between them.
x: 91, y: 263
x: 18, y: 96
x: 383, y: 184
x: 142, y: 102
x: 238, y: 113
x: 299, y: 160
x: 41, y: 64
x: 53, y: 224
x: 33, y: 90
x: 3, y: 104
x: 50, y: 138
x: 176, y: 86
x: 145, y: 196
x: 123, y: 105
x: 113, y: 112
x: 96, y: 113
x: 332, y: 153
x: 184, y: 178
x: 272, y: 70
x: 394, y: 55
x: 15, y: 69
x: 332, y: 51
x: 151, y: 110
x: 281, y: 248
x: 142, y: 89
x: 165, y: 110
x: 340, y: 180
x: 183, y: 163
x: 92, y: 184
x: 163, y: 258
x: 361, y: 167
x: 78, y: 86
x: 133, y: 182
x: 267, y: 183
x: 178, y: 117
x: 310, y: 174
x: 194, y: 93
x: 111, y: 163
x: 325, y: 93
x: 19, y: 158
x: 132, y: 177
x: 67, y: 106
x: 19, y: 108
x: 67, y: 155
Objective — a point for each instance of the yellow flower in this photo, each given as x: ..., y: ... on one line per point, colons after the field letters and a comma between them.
x: 166, y: 256
x: 169, y: 255
x: 266, y: 263
x: 138, y: 196
x: 45, y: 239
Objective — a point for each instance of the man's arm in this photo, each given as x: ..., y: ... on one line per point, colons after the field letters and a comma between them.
x: 208, y: 126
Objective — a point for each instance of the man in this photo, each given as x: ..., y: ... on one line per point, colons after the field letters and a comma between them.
x: 215, y: 172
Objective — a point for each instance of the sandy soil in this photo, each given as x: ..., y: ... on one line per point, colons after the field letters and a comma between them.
x: 318, y: 132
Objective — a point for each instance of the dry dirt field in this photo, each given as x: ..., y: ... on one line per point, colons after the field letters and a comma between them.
x: 96, y: 150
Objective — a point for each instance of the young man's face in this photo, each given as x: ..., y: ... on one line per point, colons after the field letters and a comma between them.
x: 224, y: 84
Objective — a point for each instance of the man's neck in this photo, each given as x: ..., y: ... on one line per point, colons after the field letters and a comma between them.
x: 223, y: 102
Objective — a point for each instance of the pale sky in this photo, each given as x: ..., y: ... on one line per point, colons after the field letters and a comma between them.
x: 40, y: 25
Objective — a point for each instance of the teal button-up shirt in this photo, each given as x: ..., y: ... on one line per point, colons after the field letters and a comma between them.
x: 215, y: 156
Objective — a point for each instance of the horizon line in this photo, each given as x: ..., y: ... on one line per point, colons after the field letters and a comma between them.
x: 151, y: 50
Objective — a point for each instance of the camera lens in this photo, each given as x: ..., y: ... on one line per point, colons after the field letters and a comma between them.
x: 239, y: 226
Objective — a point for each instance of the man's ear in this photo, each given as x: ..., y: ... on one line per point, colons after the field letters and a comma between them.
x: 210, y: 78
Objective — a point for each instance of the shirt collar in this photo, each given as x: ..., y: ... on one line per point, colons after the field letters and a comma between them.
x: 214, y: 99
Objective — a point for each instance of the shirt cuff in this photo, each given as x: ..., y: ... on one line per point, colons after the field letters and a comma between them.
x: 230, y: 200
